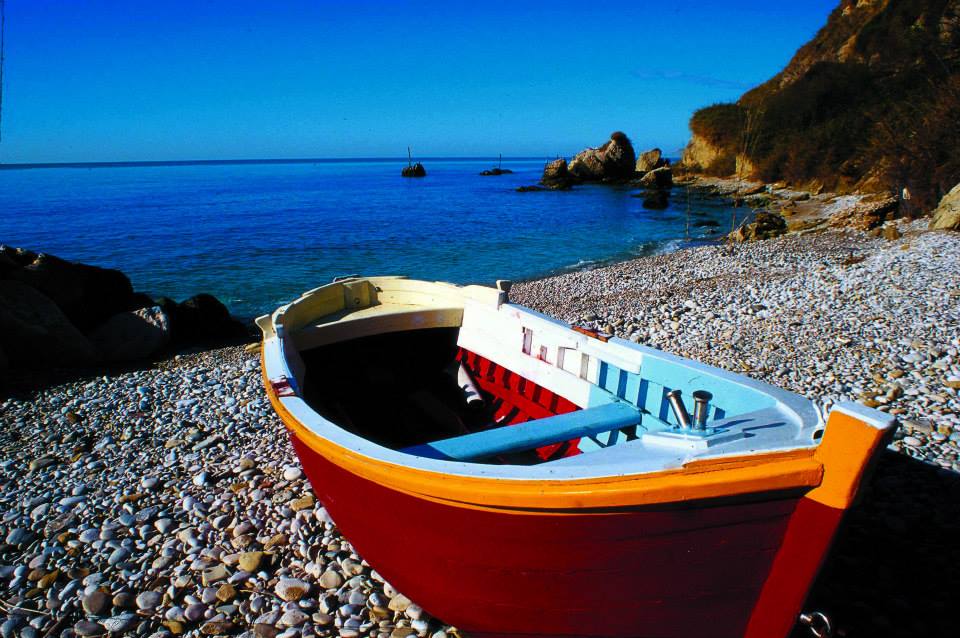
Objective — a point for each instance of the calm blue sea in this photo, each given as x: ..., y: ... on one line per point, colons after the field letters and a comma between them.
x: 256, y: 235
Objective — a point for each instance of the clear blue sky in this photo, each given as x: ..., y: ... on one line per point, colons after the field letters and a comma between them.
x: 176, y: 79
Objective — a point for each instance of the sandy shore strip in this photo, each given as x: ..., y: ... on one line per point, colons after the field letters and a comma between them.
x: 168, y: 501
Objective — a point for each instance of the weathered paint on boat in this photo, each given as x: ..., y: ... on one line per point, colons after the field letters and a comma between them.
x: 718, y: 544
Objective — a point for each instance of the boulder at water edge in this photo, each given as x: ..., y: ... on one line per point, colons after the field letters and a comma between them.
x: 659, y: 178
x: 947, y: 214
x: 87, y: 295
x: 35, y: 333
x: 133, y: 335
x: 203, y: 318
x: 764, y: 226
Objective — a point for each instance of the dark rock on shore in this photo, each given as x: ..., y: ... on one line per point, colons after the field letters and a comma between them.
x: 34, y: 331
x: 13, y: 258
x: 87, y: 295
x: 55, y: 313
x: 203, y: 317
x: 764, y: 226
x: 530, y: 189
x: 414, y: 170
x: 615, y: 161
x: 133, y: 335
x: 867, y: 214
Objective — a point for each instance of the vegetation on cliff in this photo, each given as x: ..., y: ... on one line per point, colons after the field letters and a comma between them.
x: 871, y: 102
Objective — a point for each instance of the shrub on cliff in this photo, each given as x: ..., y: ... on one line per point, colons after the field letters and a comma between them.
x: 870, y: 102
x: 720, y: 124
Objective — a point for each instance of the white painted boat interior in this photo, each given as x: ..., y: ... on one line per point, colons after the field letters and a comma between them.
x: 330, y: 330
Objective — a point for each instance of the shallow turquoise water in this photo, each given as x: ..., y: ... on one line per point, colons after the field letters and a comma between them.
x: 256, y: 235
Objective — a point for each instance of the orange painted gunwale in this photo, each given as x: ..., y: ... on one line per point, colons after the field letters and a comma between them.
x: 695, y: 481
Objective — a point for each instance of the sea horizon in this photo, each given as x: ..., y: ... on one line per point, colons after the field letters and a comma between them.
x: 263, y: 160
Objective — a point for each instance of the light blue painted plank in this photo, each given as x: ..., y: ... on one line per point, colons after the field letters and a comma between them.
x: 532, y: 434
x: 731, y: 397
x: 631, y: 392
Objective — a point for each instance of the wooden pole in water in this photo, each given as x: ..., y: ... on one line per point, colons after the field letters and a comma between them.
x: 409, y: 157
x: 500, y: 161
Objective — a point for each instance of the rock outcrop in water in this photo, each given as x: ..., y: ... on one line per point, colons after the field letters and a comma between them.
x: 654, y: 175
x: 556, y: 175
x: 414, y: 170
x: 56, y: 313
x: 659, y: 178
x: 650, y: 160
x: 614, y: 161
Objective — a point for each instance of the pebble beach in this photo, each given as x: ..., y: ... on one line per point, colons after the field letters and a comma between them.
x: 167, y: 500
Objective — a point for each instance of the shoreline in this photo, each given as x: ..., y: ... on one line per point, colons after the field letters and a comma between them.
x: 804, y: 211
x: 167, y: 500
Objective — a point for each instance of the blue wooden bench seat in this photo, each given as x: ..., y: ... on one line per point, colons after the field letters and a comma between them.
x: 530, y: 435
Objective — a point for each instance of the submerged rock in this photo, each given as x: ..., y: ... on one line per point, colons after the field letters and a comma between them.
x: 496, y: 171
x: 655, y: 199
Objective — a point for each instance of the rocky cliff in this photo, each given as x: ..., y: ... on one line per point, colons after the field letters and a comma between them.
x: 870, y: 103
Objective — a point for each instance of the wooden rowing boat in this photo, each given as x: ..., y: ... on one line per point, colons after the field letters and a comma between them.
x: 516, y: 476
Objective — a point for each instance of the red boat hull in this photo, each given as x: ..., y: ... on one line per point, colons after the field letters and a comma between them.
x: 658, y: 572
